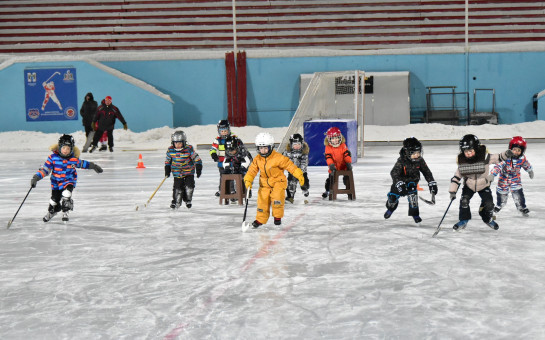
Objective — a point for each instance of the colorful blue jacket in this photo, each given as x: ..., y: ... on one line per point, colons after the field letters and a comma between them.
x: 182, y: 163
x: 63, y: 170
x: 509, y: 173
x: 218, y: 147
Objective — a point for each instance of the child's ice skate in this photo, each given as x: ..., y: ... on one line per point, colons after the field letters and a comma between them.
x: 417, y: 219
x: 49, y: 216
x: 525, y: 212
x: 325, y: 194
x: 492, y: 224
x: 460, y: 225
x: 388, y: 214
x: 277, y: 221
x: 188, y: 204
x: 65, y: 216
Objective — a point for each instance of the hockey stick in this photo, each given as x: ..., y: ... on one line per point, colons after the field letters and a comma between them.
x: 52, y: 76
x: 439, y: 226
x: 245, y: 225
x: 11, y: 221
x: 163, y: 181
x: 430, y: 202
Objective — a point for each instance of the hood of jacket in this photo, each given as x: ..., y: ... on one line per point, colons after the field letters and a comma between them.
x: 305, y: 150
x: 90, y: 95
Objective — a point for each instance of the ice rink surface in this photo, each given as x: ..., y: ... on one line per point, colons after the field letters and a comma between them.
x: 332, y: 270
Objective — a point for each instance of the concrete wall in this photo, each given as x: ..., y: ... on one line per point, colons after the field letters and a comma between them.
x: 198, y: 86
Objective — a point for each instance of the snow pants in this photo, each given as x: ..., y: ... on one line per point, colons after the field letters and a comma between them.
x: 267, y: 197
x: 182, y: 189
x: 485, y: 209
x: 412, y: 196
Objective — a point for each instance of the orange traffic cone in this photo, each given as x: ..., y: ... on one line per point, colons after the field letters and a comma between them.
x: 140, y: 162
x: 419, y: 188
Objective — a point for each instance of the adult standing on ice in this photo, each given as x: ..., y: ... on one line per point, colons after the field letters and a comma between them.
x: 106, y: 115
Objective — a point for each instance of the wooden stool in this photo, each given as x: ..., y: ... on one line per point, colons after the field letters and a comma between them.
x: 225, y: 188
x: 350, y: 190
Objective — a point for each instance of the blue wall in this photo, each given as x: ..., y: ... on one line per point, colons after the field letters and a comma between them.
x: 142, y: 110
x: 198, y: 87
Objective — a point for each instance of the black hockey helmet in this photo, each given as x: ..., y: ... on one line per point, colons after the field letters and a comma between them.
x: 179, y: 136
x: 232, y: 144
x: 224, y: 125
x: 469, y: 142
x: 412, y: 145
x: 66, y: 140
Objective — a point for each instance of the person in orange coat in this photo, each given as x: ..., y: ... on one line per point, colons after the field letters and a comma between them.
x: 272, y: 181
x: 337, y: 156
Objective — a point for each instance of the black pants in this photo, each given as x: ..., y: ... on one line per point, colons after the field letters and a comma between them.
x: 56, y: 196
x: 485, y: 209
x: 412, y: 197
x: 99, y: 133
x: 183, y: 186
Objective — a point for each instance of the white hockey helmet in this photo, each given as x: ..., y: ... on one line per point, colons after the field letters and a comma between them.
x: 264, y: 139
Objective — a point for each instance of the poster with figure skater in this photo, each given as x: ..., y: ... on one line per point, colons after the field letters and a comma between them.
x: 51, y: 94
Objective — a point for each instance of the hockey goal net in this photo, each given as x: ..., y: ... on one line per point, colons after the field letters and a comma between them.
x: 331, y: 95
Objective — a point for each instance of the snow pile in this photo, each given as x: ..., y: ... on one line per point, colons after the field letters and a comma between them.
x: 159, y: 138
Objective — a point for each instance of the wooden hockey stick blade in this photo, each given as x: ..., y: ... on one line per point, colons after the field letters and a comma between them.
x: 245, y: 226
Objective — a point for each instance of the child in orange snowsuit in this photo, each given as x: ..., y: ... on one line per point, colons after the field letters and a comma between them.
x: 272, y: 181
x: 337, y: 156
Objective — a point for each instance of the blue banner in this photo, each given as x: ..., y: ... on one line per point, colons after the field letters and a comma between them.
x: 51, y: 94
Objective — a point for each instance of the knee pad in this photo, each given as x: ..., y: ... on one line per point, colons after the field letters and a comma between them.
x: 413, y: 200
x: 392, y: 202
x: 464, y: 202
x: 488, y: 205
x: 188, y: 194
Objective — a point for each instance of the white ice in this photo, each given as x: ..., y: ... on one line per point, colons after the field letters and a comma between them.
x: 333, y: 270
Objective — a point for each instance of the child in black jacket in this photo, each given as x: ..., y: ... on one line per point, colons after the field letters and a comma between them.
x: 406, y: 175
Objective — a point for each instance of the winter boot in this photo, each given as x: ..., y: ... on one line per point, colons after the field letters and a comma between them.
x: 492, y: 224
x: 277, y: 221
x: 289, y: 199
x: 53, y: 209
x: 417, y: 219
x: 217, y: 194
x: 305, y: 193
x: 525, y: 212
x: 49, y: 216
x: 103, y: 147
x: 497, y: 209
x: 256, y: 224
x: 93, y: 148
x: 387, y: 214
x: 325, y: 194
x: 188, y: 204
x: 173, y: 204
x: 460, y: 225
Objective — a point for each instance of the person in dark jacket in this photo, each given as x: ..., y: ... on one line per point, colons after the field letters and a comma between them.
x: 106, y: 115
x: 87, y: 112
x: 406, y: 175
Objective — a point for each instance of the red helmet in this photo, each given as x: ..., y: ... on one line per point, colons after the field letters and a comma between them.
x: 334, y: 132
x: 518, y: 142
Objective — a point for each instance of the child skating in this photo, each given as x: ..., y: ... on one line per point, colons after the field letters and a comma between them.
x: 406, y: 175
x: 272, y: 181
x: 473, y: 167
x: 297, y: 151
x: 337, y: 156
x: 237, y: 160
x: 509, y: 177
x: 217, y: 151
x: 62, y: 164
x: 183, y: 162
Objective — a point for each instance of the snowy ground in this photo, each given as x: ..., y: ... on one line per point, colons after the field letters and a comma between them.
x: 333, y: 270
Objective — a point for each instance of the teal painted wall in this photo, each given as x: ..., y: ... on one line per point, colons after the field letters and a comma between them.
x: 198, y: 87
x: 142, y: 110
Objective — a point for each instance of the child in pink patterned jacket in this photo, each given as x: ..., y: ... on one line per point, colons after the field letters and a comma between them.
x: 509, y: 176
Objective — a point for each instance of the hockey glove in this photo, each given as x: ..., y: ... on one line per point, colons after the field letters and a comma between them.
x: 198, y: 167
x: 401, y: 188
x: 306, y: 185
x: 298, y: 173
x: 125, y: 126
x: 509, y: 153
x: 490, y: 178
x: 332, y: 167
x: 248, y: 184
x: 349, y: 166
x: 531, y: 174
x: 95, y: 167
x: 167, y: 170
x: 34, y: 180
x: 452, y: 196
x: 228, y: 169
x: 433, y: 187
x: 215, y: 157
